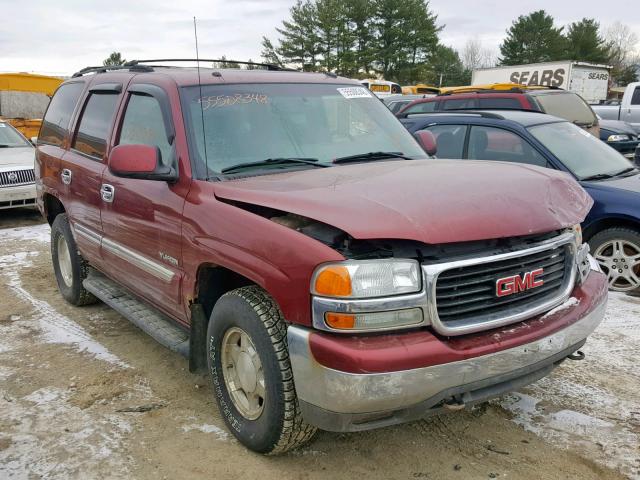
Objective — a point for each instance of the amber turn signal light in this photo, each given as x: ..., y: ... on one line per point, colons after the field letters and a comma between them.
x: 333, y: 281
x: 342, y: 321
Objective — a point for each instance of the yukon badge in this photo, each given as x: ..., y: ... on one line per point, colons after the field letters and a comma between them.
x: 519, y: 283
x: 168, y: 259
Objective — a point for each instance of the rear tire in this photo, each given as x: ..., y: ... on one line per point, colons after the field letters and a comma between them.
x: 617, y: 250
x: 68, y: 265
x: 248, y: 361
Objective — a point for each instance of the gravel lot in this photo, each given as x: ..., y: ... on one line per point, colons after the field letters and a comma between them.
x: 84, y: 394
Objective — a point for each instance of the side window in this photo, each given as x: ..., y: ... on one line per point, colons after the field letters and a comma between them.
x: 489, y: 143
x: 635, y: 100
x: 449, y: 140
x: 55, y: 125
x: 424, y: 107
x: 143, y: 124
x: 459, y: 104
x: 95, y: 124
x: 499, y: 103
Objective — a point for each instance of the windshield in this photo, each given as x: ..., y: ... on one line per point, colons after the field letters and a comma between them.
x: 568, y: 106
x: 582, y: 153
x: 253, y: 122
x: 9, y: 137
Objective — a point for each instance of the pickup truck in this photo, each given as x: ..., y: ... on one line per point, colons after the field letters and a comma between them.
x: 283, y: 231
x: 628, y: 110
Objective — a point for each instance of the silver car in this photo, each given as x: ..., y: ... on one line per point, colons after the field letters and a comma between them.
x: 17, y: 184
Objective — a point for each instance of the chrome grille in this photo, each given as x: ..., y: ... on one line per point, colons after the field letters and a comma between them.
x: 16, y: 178
x: 464, y: 293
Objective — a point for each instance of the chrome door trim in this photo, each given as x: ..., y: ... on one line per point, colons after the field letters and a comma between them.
x: 138, y: 260
x: 153, y: 268
x: 87, y: 234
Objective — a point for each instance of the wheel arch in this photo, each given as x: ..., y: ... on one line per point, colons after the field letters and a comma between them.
x: 52, y: 207
x: 610, y: 222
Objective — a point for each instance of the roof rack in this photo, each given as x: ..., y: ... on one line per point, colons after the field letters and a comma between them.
x: 475, y: 113
x: 498, y: 88
x: 141, y: 65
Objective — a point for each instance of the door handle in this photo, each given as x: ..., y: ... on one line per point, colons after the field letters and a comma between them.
x: 65, y: 176
x: 107, y: 192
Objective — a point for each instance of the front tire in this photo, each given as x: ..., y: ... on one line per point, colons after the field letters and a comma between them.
x: 68, y: 265
x: 248, y: 361
x: 617, y: 250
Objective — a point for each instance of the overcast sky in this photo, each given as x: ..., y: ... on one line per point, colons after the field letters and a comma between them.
x: 59, y: 37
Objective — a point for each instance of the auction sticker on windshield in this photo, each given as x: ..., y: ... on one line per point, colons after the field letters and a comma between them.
x: 354, y: 92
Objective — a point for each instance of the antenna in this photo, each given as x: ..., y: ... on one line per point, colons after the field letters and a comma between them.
x: 204, y: 137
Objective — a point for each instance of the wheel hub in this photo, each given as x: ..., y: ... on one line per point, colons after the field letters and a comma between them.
x: 620, y: 261
x: 64, y: 261
x: 243, y: 373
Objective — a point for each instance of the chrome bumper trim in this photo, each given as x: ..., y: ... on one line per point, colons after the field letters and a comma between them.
x: 343, y: 392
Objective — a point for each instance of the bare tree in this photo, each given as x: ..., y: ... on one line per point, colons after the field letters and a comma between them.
x: 622, y: 43
x: 474, y: 55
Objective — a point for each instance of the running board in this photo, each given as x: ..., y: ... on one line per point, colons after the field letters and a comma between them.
x: 154, y: 323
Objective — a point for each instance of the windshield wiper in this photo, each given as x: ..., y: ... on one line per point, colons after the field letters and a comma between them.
x: 604, y: 176
x: 273, y: 161
x: 363, y: 157
x: 4, y: 146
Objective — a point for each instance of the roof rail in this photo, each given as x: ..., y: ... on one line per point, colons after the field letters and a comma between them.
x: 500, y: 88
x: 140, y: 65
x: 109, y: 68
x: 460, y: 112
x: 268, y: 66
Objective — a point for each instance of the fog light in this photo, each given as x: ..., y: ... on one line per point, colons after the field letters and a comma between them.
x: 374, y: 321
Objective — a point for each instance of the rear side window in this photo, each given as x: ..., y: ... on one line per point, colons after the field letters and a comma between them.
x: 567, y: 105
x: 449, y: 140
x: 635, y: 100
x: 95, y: 124
x: 55, y: 125
x: 509, y: 103
x: 489, y: 143
x: 459, y: 104
x: 424, y: 107
x: 143, y: 124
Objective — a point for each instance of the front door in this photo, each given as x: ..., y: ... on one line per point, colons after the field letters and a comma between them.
x: 142, y: 219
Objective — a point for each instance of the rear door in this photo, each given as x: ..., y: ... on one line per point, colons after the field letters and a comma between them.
x: 83, y: 165
x: 142, y: 219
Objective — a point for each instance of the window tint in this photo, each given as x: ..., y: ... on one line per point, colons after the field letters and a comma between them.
x: 95, y: 123
x: 635, y: 100
x: 499, y: 103
x: 143, y: 125
x: 459, y: 104
x: 449, y: 140
x: 489, y: 143
x: 424, y: 107
x: 56, y: 121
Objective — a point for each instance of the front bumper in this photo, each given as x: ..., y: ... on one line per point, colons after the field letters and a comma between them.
x: 343, y: 401
x: 19, y: 196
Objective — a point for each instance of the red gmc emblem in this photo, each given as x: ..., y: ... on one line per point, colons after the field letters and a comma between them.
x: 517, y: 283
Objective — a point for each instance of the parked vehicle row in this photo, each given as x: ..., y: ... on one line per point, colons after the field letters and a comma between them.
x: 284, y: 230
x: 620, y: 136
x: 612, y: 227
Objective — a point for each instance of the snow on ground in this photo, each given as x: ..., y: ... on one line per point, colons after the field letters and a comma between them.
x: 593, y: 406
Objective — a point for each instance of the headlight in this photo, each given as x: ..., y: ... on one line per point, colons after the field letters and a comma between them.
x: 367, y: 278
x: 618, y: 138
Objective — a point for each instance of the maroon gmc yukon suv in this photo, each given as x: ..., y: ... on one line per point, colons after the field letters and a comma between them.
x: 285, y: 232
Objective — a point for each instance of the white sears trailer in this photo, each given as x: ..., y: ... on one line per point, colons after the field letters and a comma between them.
x: 588, y: 80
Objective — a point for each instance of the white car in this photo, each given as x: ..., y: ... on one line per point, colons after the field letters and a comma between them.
x: 17, y: 182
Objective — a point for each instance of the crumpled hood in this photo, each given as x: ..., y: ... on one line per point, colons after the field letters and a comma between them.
x: 431, y: 201
x: 21, y: 157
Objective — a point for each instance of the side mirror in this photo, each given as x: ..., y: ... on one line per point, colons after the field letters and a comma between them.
x: 33, y: 140
x: 139, y: 161
x: 427, y: 141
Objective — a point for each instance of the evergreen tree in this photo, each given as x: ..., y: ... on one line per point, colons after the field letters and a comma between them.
x: 114, y: 60
x: 584, y: 42
x: 299, y: 43
x: 446, y: 69
x: 269, y: 54
x: 531, y: 39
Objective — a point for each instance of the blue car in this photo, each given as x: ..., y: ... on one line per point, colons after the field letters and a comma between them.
x: 612, y: 227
